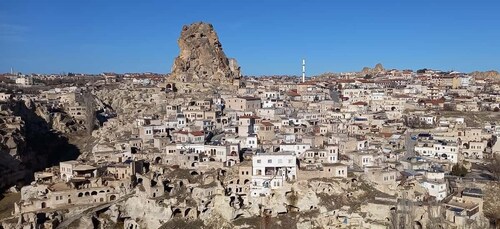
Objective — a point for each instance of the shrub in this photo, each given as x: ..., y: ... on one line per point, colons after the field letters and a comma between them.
x: 459, y: 170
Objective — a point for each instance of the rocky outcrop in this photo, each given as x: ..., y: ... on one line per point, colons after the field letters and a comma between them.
x: 57, y: 120
x: 494, y: 75
x: 29, y: 143
x: 201, y: 57
x: 373, y: 71
x: 151, y: 213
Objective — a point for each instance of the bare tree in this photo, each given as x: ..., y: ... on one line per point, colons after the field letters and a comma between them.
x: 494, y: 166
x: 492, y: 202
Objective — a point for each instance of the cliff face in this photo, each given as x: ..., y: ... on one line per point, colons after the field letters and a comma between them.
x: 29, y: 143
x: 201, y: 57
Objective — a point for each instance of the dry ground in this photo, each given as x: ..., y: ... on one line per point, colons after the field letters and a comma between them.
x: 7, y: 203
x: 474, y: 119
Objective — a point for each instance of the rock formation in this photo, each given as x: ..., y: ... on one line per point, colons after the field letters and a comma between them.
x: 31, y: 139
x: 201, y: 57
x: 373, y: 71
x: 486, y: 75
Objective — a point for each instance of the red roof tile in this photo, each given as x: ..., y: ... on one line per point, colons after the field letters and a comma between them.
x: 360, y: 103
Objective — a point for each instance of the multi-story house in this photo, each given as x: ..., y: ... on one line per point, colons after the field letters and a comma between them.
x: 435, y: 184
x: 297, y: 148
x: 246, y: 103
x: 271, y: 171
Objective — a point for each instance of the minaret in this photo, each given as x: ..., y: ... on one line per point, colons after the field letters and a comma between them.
x: 11, y: 71
x: 303, y: 70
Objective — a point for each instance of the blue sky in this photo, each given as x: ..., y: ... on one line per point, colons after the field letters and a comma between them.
x: 266, y: 37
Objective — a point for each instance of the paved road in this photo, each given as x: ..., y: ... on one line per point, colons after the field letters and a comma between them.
x: 409, y: 144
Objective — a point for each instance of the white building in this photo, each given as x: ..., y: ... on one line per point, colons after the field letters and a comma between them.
x: 251, y: 142
x: 181, y: 121
x: 333, y: 153
x: 363, y: 159
x: 378, y: 95
x: 218, y: 152
x: 465, y: 81
x: 271, y: 170
x: 272, y: 94
x: 291, y: 138
x: 269, y: 103
x: 439, y: 149
x: 435, y: 184
x: 430, y: 120
x: 66, y: 169
x: 297, y: 148
x: 71, y: 169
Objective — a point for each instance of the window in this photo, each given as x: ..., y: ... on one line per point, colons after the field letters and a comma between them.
x: 270, y: 161
x: 258, y: 161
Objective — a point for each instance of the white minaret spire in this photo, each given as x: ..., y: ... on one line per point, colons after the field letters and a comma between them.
x: 303, y: 70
